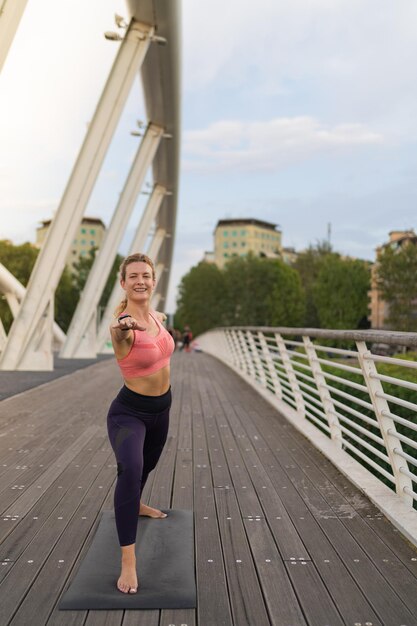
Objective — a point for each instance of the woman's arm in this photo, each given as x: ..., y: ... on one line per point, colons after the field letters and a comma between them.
x: 121, y: 329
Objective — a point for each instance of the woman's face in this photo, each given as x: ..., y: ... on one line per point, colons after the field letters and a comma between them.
x: 138, y: 283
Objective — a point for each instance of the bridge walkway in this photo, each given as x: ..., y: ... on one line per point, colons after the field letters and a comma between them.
x: 281, y: 536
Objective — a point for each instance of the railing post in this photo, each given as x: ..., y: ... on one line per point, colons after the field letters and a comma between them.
x: 256, y: 360
x: 247, y: 356
x: 386, y: 424
x: 270, y: 365
x: 324, y: 393
x: 292, y: 378
x: 237, y: 353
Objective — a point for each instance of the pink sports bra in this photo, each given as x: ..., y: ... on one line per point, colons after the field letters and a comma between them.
x: 147, y: 354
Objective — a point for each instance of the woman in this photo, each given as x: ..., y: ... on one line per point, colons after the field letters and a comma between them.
x: 138, y: 417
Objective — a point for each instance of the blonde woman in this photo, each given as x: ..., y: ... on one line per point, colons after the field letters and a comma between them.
x: 138, y: 417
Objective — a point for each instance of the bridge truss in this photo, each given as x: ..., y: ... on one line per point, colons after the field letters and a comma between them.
x: 150, y: 45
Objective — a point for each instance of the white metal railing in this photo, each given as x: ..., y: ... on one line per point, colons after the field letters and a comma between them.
x: 352, y: 395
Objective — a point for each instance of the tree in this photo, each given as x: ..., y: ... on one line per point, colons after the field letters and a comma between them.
x: 249, y: 291
x: 340, y: 293
x: 19, y: 260
x: 308, y: 264
x: 200, y: 300
x: 396, y: 279
x: 82, y: 270
x: 262, y: 292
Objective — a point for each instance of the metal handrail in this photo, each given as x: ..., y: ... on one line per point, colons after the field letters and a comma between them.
x: 278, y: 361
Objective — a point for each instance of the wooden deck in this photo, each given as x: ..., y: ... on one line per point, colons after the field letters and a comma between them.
x: 281, y: 537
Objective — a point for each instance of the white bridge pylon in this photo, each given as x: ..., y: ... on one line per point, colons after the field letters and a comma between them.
x: 14, y: 292
x: 29, y: 344
x: 11, y: 12
x: 138, y: 244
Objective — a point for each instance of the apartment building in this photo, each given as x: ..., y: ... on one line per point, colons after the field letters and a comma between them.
x: 238, y: 237
x: 90, y: 234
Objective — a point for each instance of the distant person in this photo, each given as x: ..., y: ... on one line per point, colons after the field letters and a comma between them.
x: 138, y: 417
x: 187, y: 336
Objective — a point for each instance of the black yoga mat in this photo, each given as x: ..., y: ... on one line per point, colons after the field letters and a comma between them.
x: 165, y: 562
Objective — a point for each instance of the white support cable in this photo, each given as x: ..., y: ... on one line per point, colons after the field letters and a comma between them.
x: 401, y: 420
x: 385, y: 423
x: 392, y: 361
x: 367, y: 433
x: 398, y: 401
x: 346, y: 382
x: 290, y: 373
x: 348, y: 396
x: 406, y: 456
x: 410, y: 442
x: 21, y: 350
x: 396, y: 381
x: 340, y: 366
x: 82, y: 334
x: 369, y: 462
x: 365, y: 444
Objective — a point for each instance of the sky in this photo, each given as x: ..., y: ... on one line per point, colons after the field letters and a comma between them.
x: 300, y: 113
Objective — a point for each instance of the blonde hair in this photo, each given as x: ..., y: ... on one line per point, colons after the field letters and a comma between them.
x: 132, y: 258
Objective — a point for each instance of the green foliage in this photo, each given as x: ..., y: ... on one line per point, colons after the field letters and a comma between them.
x: 66, y: 298
x: 262, y: 292
x: 397, y: 271
x: 340, y: 292
x: 396, y: 371
x: 308, y: 265
x: 201, y: 299
x: 249, y: 291
x: 19, y: 260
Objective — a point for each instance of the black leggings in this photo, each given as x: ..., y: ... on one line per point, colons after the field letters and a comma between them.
x: 138, y: 429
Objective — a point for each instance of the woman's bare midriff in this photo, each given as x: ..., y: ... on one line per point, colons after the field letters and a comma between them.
x: 153, y: 385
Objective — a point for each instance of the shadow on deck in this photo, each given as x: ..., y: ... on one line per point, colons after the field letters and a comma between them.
x: 281, y: 536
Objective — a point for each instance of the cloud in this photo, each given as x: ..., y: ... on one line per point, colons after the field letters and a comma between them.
x: 269, y: 145
x: 338, y: 59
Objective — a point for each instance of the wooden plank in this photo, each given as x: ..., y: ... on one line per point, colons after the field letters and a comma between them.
x: 377, y: 592
x: 337, y: 578
x: 41, y: 596
x: 280, y: 598
x: 32, y: 560
x: 381, y: 556
x: 210, y: 571
x: 27, y: 528
x: 182, y: 485
x: 246, y: 597
x: 317, y: 605
x: 37, y: 489
x: 288, y: 540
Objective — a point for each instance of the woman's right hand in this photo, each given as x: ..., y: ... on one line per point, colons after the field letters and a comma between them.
x: 127, y: 323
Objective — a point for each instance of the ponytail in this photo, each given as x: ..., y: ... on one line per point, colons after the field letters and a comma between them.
x: 120, y: 307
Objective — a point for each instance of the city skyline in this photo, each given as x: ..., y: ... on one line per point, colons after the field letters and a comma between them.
x: 297, y: 114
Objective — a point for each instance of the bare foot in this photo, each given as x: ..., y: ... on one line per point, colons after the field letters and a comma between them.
x: 128, y: 581
x: 148, y: 511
